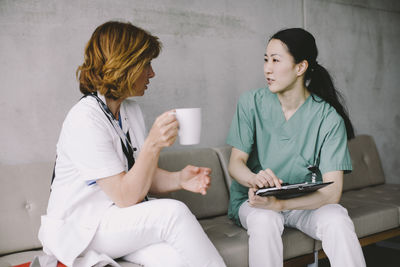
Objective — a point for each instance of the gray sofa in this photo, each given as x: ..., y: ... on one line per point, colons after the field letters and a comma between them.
x: 373, y: 205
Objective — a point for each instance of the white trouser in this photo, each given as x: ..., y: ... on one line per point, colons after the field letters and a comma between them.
x: 329, y: 223
x: 160, y: 232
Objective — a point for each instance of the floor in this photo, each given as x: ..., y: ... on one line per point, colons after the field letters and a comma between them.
x: 382, y: 254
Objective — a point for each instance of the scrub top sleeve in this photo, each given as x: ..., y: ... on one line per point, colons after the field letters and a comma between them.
x: 89, y: 144
x: 241, y: 132
x: 334, y: 154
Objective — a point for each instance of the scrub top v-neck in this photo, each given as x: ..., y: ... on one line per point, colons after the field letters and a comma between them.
x: 314, y: 135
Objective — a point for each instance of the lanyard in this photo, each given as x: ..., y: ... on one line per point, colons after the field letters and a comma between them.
x: 127, y: 147
x: 126, y: 140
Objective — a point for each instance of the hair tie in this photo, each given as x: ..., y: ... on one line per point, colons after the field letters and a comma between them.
x: 314, y: 65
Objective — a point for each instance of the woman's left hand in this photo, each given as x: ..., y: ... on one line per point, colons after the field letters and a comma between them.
x: 195, y: 179
x: 270, y: 203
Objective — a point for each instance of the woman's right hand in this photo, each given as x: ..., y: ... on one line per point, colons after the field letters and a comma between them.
x: 164, y: 131
x: 265, y: 178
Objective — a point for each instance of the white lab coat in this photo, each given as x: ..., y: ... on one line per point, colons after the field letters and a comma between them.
x: 88, y: 149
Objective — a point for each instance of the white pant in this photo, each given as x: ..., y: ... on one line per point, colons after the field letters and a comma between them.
x: 329, y: 223
x: 159, y: 232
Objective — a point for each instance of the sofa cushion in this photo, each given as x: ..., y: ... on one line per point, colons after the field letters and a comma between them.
x: 232, y: 241
x: 296, y: 243
x: 128, y: 264
x: 368, y: 217
x: 24, y: 191
x: 388, y: 194
x: 224, y: 154
x: 215, y: 202
x: 367, y: 167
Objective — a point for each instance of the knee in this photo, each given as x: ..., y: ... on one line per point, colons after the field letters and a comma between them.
x: 173, y: 207
x: 334, y: 217
x: 260, y: 221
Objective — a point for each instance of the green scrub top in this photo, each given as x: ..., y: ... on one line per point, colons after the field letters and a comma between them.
x: 314, y: 135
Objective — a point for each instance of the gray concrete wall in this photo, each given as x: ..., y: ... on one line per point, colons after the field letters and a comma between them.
x: 212, y: 52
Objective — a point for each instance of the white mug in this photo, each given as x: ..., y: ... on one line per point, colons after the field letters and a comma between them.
x: 189, y: 120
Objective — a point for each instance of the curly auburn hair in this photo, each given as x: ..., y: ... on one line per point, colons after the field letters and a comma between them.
x: 115, y: 56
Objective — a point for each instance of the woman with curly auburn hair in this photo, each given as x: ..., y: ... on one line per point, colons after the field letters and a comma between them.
x: 98, y: 208
x: 115, y: 57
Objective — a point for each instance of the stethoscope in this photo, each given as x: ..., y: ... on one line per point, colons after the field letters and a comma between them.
x: 313, y: 169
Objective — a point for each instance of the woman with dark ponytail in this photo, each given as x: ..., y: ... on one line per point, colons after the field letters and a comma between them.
x: 293, y: 131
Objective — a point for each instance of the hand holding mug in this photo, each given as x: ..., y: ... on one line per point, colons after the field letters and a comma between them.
x: 164, y: 131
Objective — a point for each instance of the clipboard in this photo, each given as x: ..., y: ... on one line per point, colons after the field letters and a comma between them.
x: 291, y: 190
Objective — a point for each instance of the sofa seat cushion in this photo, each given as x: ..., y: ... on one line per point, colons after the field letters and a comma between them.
x: 368, y: 217
x: 388, y: 194
x: 232, y: 241
x: 128, y: 264
x: 296, y: 243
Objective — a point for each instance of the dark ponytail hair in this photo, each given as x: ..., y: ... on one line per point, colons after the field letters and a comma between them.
x: 301, y: 45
